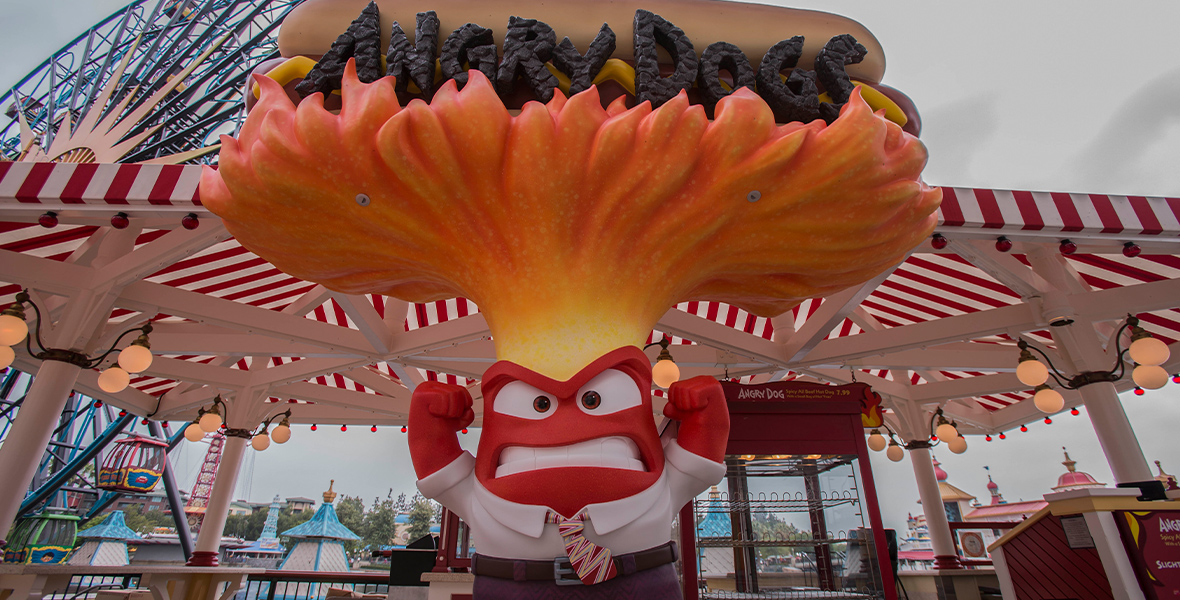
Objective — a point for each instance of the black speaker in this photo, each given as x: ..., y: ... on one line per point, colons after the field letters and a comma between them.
x: 891, y: 542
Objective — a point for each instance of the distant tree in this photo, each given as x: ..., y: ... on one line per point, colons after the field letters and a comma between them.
x: 379, y: 523
x: 289, y: 519
x: 247, y: 527
x: 351, y: 511
x: 421, y: 514
x: 145, y: 521
x: 94, y: 521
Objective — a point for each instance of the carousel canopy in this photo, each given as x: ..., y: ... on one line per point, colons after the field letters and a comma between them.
x: 325, y: 524
x: 940, y: 328
x: 111, y: 528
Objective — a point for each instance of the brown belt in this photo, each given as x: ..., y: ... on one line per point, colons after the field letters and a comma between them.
x: 559, y: 570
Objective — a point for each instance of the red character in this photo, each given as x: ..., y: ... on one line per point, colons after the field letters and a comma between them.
x: 572, y: 484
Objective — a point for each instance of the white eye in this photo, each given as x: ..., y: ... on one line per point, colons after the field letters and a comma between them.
x: 519, y: 399
x: 609, y: 392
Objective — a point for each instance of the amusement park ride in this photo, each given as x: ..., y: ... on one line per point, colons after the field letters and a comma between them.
x: 64, y: 496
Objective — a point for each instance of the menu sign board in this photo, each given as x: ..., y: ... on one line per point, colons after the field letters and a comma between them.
x: 783, y: 391
x: 1152, y: 539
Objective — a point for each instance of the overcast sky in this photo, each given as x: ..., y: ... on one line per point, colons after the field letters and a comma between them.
x: 1061, y: 95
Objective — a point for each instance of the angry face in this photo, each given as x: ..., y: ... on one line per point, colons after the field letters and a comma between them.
x: 566, y: 444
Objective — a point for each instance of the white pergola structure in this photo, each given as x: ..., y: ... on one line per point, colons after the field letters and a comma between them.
x: 939, y: 330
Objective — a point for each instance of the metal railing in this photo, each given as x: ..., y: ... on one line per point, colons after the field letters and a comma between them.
x: 310, y: 585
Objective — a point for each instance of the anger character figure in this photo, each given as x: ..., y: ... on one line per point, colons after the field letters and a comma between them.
x: 572, y: 484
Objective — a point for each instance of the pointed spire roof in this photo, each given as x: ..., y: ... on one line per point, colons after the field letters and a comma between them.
x: 111, y: 528
x: 948, y: 492
x: 1169, y: 481
x: 717, y: 520
x: 938, y: 472
x: 270, y: 529
x: 1073, y: 479
x: 324, y: 524
x: 993, y: 488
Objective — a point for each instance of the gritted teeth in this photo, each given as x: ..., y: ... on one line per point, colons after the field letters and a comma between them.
x: 613, y: 452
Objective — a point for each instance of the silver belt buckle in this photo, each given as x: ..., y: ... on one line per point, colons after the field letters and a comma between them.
x: 560, y: 571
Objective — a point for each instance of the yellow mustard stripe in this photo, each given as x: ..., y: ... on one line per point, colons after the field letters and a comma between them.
x: 619, y: 71
x: 613, y: 70
x: 290, y: 70
x: 877, y: 101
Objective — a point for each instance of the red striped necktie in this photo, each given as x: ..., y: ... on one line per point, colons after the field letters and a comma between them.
x: 592, y: 562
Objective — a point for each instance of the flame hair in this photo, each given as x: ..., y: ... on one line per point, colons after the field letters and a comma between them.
x: 574, y: 227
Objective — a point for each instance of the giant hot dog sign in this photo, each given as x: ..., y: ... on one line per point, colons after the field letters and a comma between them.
x: 576, y: 192
x: 531, y: 65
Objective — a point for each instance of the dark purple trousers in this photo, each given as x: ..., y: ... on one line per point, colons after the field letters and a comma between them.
x: 659, y: 583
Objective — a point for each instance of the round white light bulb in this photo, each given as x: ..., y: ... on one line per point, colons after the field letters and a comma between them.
x: 210, y: 422
x: 194, y: 433
x: 1048, y: 400
x: 895, y: 453
x: 1147, y: 351
x: 113, y: 380
x: 135, y: 358
x: 1032, y: 373
x: 281, y: 434
x: 957, y: 445
x: 260, y: 442
x: 877, y: 442
x: 12, y: 330
x: 1150, y: 377
x: 6, y: 356
x: 947, y: 432
x: 665, y: 373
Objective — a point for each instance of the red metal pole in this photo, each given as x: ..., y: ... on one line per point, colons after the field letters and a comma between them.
x: 874, y: 510
x: 688, y: 552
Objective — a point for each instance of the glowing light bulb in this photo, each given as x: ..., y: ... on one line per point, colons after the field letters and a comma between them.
x: 1048, y: 400
x: 1150, y: 351
x: 1032, y: 372
x: 946, y: 431
x: 877, y: 441
x: 665, y: 373
x: 210, y: 421
x: 958, y: 445
x: 282, y: 433
x: 113, y: 380
x: 895, y: 453
x: 260, y: 442
x: 194, y: 433
x: 13, y: 330
x: 6, y: 356
x: 135, y: 358
x: 1151, y: 377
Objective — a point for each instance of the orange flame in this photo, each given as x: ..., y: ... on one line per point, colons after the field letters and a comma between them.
x: 573, y: 227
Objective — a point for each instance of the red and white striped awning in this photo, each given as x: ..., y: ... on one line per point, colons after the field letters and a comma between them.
x: 940, y: 327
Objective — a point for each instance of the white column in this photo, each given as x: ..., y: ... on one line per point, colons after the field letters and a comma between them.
x: 209, y: 539
x: 30, y: 433
x: 1114, y: 432
x: 945, y: 556
x: 1081, y: 346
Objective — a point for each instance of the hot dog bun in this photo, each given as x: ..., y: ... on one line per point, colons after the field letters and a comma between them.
x: 310, y: 28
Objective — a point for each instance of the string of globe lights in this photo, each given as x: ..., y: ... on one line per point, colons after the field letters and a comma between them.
x: 210, y: 420
x: 14, y: 329
x: 944, y: 432
x: 1147, y: 353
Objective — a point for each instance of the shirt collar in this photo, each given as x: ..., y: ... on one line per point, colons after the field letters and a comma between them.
x: 605, y: 517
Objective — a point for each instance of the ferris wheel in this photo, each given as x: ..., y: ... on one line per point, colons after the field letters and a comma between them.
x: 157, y: 81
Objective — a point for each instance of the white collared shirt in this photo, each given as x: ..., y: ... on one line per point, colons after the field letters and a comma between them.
x: 506, y: 529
